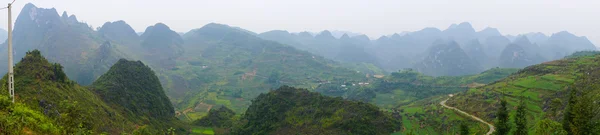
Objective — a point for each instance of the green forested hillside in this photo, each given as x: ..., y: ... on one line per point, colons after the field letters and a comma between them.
x: 48, y: 102
x: 133, y: 88
x: 406, y: 86
x: 298, y: 111
x: 544, y: 88
x: 223, y: 65
x: 51, y: 96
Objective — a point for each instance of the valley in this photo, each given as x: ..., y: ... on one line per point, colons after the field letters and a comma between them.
x: 72, y: 78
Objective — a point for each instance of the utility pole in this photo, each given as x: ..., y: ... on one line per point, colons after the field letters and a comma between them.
x: 11, y: 83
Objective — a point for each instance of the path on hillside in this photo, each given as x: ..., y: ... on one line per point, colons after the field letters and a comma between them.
x: 492, y: 128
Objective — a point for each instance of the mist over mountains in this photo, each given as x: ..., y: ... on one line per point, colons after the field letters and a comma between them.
x: 488, y: 47
x: 86, y: 53
x: 353, y: 82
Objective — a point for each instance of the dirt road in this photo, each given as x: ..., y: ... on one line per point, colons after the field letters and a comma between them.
x: 492, y: 128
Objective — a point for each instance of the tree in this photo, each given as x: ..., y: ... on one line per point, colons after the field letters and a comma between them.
x: 521, y: 119
x: 582, y: 123
x: 569, y: 113
x: 548, y: 127
x: 464, y: 128
x: 555, y: 106
x: 502, y: 119
x: 581, y: 108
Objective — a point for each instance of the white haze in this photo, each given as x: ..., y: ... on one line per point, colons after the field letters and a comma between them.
x: 372, y: 17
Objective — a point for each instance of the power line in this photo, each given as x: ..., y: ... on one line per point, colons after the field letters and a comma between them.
x: 9, y: 4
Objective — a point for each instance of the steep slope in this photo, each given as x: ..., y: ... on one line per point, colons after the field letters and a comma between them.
x: 447, y: 59
x: 461, y: 33
x: 353, y: 50
x: 44, y: 29
x: 475, y: 50
x: 298, y: 111
x: 133, y: 88
x: 564, y: 43
x: 326, y: 44
x: 119, y: 32
x: 543, y: 88
x: 44, y: 87
x: 99, y: 62
x: 494, y: 45
x: 537, y: 37
x: 284, y: 37
x: 161, y: 46
x: 520, y: 53
x: 227, y: 66
x: 486, y: 33
x: 63, y: 39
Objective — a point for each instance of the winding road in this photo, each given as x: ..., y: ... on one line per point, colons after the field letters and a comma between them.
x: 492, y: 128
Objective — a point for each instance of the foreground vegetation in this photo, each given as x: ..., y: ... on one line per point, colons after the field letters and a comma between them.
x: 47, y: 102
x: 299, y: 111
x: 545, y: 91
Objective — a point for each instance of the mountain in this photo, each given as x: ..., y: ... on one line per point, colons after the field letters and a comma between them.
x: 351, y: 50
x: 520, y: 53
x: 3, y: 35
x: 119, y: 32
x: 461, y: 33
x: 564, y: 43
x: 326, y: 44
x: 161, y: 45
x: 99, y: 61
x: 288, y: 110
x: 340, y: 33
x: 133, y: 87
x: 475, y: 50
x: 494, y: 45
x: 446, y: 58
x: 62, y: 39
x: 284, y: 37
x: 537, y: 37
x: 225, y: 66
x: 44, y: 87
x: 398, y: 51
x: 486, y: 33
x: 355, y: 50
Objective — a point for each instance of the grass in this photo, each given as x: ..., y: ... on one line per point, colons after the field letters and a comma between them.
x: 202, y: 131
x: 417, y: 117
x: 536, y: 84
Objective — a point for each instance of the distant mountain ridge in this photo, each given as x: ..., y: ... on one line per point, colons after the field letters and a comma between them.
x: 446, y: 58
x: 399, y: 51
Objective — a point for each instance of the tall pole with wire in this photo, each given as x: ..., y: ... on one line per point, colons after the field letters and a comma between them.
x: 11, y: 86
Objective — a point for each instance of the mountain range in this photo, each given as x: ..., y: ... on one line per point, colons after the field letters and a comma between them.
x: 182, y: 77
x: 409, y: 49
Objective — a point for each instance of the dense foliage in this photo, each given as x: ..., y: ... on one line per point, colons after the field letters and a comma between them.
x: 502, y: 122
x: 583, y: 53
x: 222, y: 117
x: 288, y: 110
x: 45, y: 94
x: 133, y: 87
x: 563, y: 91
x: 521, y: 119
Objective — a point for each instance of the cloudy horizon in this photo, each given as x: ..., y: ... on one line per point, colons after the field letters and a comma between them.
x: 373, y: 18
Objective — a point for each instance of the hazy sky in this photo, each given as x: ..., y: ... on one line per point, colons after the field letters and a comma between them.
x: 371, y: 17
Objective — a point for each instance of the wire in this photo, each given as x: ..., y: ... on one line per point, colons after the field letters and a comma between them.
x: 10, y: 4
